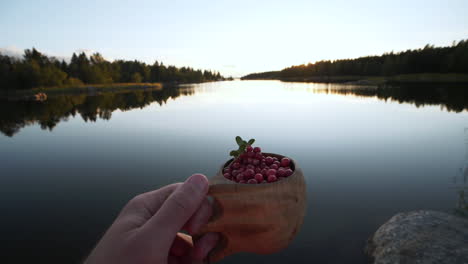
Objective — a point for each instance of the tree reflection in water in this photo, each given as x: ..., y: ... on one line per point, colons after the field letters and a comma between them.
x: 15, y: 115
x: 452, y: 98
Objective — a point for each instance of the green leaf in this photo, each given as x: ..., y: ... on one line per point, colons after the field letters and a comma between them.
x: 239, y: 140
x: 242, y: 148
x: 251, y: 141
x: 234, y: 153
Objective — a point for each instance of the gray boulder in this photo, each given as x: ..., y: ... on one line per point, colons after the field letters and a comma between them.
x: 420, y: 237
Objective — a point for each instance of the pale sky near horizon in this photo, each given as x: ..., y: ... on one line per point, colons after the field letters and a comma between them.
x: 234, y: 37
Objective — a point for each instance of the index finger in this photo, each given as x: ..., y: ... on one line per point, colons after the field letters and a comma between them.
x: 178, y: 208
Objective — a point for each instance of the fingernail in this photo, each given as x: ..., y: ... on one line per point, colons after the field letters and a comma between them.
x: 199, y: 181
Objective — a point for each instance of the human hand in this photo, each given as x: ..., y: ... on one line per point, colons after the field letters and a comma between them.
x: 147, y: 229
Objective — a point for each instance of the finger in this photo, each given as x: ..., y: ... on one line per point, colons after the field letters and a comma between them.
x: 177, y: 209
x: 204, y: 245
x: 150, y: 202
x: 200, y: 218
x: 182, y: 245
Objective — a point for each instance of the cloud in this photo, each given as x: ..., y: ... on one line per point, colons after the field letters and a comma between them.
x: 12, y: 51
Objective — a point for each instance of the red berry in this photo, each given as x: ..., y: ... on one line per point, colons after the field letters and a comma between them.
x: 271, y: 172
x: 252, y: 181
x: 257, y: 149
x: 249, y: 148
x: 285, y: 162
x: 250, y: 154
x: 272, y: 178
x: 259, y: 177
x: 236, y: 165
x: 241, y: 169
x: 234, y: 173
x: 288, y: 172
x: 227, y: 175
x: 255, y: 162
x: 250, y: 166
x: 276, y: 162
x: 242, y: 181
x: 262, y: 165
x: 257, y: 170
x: 268, y: 160
x: 275, y: 158
x: 281, y: 172
x: 258, y: 156
x: 264, y: 172
x: 240, y: 176
x: 274, y: 166
x: 249, y: 173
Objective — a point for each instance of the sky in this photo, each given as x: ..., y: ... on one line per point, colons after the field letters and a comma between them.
x: 233, y: 37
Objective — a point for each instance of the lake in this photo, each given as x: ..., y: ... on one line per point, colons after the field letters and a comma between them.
x: 69, y: 164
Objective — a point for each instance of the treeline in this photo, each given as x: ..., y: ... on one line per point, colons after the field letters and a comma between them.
x: 38, y: 70
x: 430, y: 59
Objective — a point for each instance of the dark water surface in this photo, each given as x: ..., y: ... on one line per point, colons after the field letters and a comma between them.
x: 69, y: 164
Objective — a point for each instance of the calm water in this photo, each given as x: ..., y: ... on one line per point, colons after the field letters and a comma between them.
x: 69, y: 165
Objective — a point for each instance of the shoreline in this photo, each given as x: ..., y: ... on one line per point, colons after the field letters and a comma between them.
x: 37, y: 94
x: 423, y: 78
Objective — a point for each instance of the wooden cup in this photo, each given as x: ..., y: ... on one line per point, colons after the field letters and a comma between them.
x: 256, y: 218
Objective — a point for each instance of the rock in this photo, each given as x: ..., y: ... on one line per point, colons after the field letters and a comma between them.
x: 420, y: 237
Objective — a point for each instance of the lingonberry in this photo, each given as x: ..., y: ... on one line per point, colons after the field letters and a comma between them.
x: 249, y: 173
x: 259, y: 177
x: 252, y: 181
x: 285, y: 162
x: 281, y: 172
x: 272, y: 178
x: 271, y: 172
x: 258, y: 156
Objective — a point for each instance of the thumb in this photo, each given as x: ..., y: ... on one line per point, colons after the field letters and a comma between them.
x: 178, y: 208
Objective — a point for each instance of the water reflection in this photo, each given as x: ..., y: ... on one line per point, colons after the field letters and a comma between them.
x: 16, y: 115
x: 450, y: 98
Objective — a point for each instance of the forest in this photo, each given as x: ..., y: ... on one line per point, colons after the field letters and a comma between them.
x: 430, y: 59
x: 38, y: 70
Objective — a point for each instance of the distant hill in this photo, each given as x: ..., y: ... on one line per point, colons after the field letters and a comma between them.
x: 446, y: 64
x: 262, y: 75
